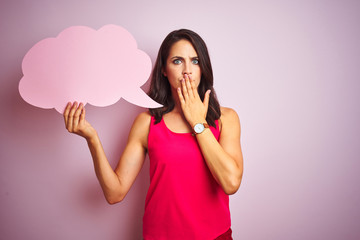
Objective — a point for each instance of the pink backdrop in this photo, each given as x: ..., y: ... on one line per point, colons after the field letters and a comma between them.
x: 289, y: 68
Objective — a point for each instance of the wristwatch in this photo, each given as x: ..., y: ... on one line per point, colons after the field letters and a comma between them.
x: 200, y: 127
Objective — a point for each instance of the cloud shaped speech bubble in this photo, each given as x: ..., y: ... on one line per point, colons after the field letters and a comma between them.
x: 89, y: 66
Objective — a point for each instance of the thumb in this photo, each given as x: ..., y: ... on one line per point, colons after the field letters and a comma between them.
x: 206, y: 98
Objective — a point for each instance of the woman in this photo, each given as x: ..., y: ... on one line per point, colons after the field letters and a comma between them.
x: 192, y: 142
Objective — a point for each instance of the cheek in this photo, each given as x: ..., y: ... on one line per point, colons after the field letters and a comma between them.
x: 197, y: 83
x: 172, y: 72
x: 197, y: 73
x: 173, y: 79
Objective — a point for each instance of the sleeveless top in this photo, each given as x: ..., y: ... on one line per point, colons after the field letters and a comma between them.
x: 184, y: 201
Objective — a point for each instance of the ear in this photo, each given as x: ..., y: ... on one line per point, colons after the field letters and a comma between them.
x: 163, y: 72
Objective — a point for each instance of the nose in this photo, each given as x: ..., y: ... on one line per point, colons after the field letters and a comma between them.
x: 187, y: 68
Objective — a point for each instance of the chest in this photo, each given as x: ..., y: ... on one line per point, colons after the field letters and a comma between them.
x: 176, y: 124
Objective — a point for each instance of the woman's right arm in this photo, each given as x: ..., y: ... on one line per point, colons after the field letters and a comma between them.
x: 115, y: 184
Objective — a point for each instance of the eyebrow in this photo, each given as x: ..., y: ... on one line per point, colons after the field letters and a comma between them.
x: 182, y: 57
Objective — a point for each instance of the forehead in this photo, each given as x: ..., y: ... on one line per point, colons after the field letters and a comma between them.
x: 182, y: 48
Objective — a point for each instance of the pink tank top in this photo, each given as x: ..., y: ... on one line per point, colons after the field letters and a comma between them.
x: 183, y: 201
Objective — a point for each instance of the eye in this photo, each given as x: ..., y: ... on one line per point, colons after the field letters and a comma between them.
x: 177, y: 61
x: 195, y: 61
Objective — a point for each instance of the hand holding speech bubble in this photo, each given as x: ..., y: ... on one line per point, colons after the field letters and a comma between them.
x: 89, y: 66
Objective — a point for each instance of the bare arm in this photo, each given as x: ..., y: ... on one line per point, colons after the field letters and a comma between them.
x: 224, y: 158
x: 115, y: 184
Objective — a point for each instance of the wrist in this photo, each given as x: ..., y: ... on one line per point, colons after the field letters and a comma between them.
x: 200, y: 127
x: 194, y: 122
x: 93, y: 138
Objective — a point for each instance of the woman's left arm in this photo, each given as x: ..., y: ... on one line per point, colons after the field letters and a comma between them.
x: 224, y: 158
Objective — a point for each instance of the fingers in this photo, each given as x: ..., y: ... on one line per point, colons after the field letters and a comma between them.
x: 73, y: 115
x: 66, y: 113
x: 82, y: 116
x: 184, y: 89
x: 70, y: 123
x: 181, y: 97
x: 190, y: 86
x: 77, y: 116
x: 193, y: 107
x: 193, y: 87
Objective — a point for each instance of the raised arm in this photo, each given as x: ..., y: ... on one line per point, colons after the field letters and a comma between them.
x: 224, y: 158
x: 114, y: 183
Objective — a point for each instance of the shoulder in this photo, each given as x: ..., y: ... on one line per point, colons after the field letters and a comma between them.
x: 140, y: 128
x: 228, y: 112
x: 229, y: 118
x: 143, y: 118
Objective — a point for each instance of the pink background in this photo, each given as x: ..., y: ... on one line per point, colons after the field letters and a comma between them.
x: 289, y: 68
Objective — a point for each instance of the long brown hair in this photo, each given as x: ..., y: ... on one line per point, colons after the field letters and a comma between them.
x: 160, y: 89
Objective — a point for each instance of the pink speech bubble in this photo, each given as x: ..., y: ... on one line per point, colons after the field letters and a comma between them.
x: 89, y: 66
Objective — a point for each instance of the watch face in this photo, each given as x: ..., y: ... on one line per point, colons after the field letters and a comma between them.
x: 198, y: 128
